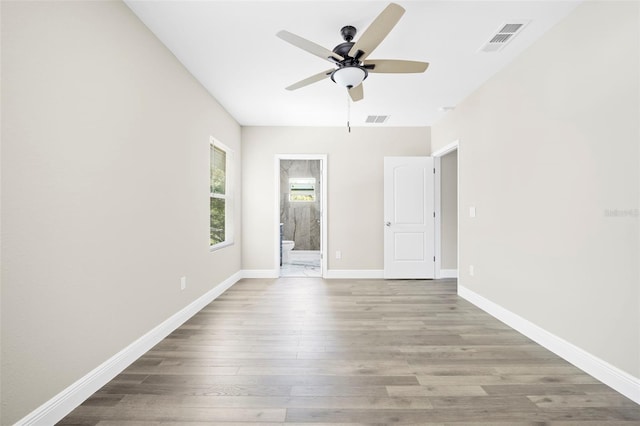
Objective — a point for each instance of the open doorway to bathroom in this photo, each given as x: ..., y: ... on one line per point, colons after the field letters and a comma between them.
x: 301, y: 216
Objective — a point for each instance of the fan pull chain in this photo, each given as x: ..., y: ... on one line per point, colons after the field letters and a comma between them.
x: 348, y: 112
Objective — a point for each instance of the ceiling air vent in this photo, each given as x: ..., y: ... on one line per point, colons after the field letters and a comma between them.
x: 376, y: 118
x: 503, y: 36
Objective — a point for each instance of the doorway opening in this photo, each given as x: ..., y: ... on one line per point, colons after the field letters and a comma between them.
x: 301, y: 222
x: 447, y: 184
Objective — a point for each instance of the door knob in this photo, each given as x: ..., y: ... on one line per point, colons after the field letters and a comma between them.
x: 387, y: 224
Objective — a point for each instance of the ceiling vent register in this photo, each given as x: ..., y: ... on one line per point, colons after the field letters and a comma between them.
x: 503, y: 36
x: 376, y: 118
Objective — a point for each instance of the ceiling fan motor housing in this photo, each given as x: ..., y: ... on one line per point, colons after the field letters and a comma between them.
x: 343, y: 49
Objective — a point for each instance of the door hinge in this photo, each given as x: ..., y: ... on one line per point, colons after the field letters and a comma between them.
x: 434, y: 170
x: 434, y: 214
x: 434, y: 258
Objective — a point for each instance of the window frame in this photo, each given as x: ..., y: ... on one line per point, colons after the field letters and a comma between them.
x: 229, y: 207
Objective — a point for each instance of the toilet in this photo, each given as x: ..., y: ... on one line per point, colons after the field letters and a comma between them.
x: 287, y: 246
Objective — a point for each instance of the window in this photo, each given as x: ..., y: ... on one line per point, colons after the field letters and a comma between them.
x: 220, y: 201
x: 302, y: 189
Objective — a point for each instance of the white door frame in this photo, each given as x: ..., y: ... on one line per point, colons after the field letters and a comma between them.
x: 323, y: 206
x: 453, y: 146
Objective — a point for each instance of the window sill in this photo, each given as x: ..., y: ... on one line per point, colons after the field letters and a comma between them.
x: 220, y: 246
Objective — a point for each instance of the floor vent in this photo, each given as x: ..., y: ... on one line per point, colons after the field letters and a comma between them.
x: 376, y: 118
x: 503, y: 36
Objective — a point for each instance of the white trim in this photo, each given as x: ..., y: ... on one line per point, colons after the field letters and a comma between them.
x: 448, y: 273
x: 228, y: 196
x: 453, y: 146
x: 437, y: 208
x: 619, y: 380
x: 66, y: 401
x: 260, y: 273
x: 221, y: 245
x: 324, y: 194
x: 355, y: 274
x: 330, y: 274
x: 446, y: 149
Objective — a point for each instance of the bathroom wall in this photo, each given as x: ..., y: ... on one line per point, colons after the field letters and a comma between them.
x: 301, y: 219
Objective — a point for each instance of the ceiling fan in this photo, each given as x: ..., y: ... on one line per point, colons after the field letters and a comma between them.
x: 350, y: 58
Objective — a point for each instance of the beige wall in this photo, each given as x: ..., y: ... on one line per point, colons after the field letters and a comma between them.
x: 449, y: 210
x: 547, y: 147
x: 355, y: 173
x: 104, y: 192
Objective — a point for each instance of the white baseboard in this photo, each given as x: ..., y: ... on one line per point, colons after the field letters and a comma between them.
x: 66, y: 401
x: 448, y: 273
x: 260, y: 273
x: 613, y: 377
x: 331, y: 273
x: 354, y: 274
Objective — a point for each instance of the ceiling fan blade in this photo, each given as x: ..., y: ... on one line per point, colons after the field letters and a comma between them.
x: 356, y: 93
x: 377, y: 31
x: 309, y: 46
x: 395, y: 66
x: 309, y: 80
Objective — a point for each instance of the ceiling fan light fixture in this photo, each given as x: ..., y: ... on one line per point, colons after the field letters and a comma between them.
x: 349, y: 77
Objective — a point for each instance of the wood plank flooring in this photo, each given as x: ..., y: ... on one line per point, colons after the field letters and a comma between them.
x: 347, y: 352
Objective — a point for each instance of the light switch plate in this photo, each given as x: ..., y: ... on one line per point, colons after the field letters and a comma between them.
x: 472, y: 212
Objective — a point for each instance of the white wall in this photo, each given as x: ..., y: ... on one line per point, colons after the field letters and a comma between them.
x: 105, y: 140
x: 449, y: 210
x: 355, y: 179
x: 547, y: 147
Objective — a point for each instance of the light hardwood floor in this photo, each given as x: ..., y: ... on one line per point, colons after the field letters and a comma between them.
x: 307, y: 350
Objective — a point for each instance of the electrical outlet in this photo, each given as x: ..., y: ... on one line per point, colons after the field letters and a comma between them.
x: 471, y: 270
x: 338, y: 254
x: 183, y: 283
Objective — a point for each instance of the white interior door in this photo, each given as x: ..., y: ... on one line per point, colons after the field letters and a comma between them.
x: 409, y: 227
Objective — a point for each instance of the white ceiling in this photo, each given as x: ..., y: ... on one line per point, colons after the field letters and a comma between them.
x: 232, y: 49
